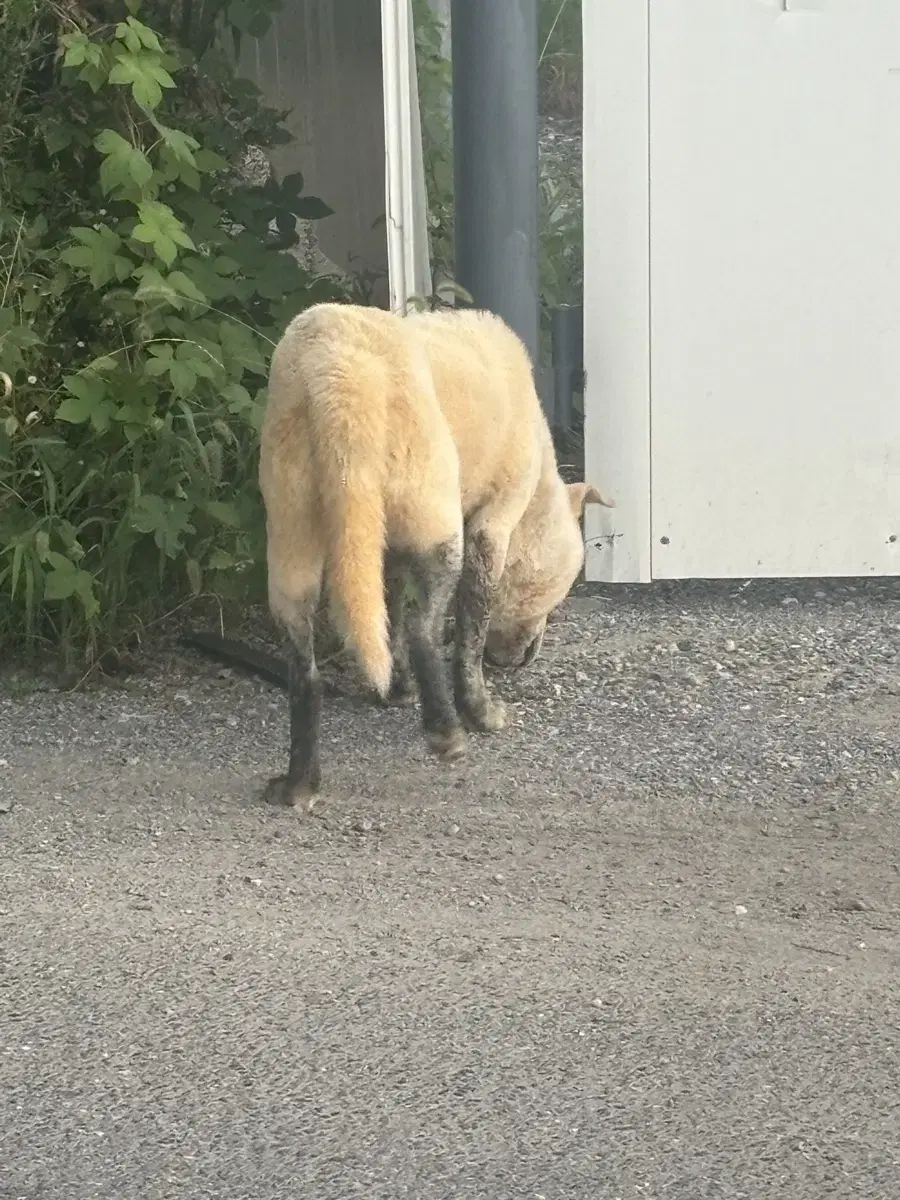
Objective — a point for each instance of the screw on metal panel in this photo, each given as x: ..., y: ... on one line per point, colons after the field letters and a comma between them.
x: 892, y: 538
x: 664, y: 540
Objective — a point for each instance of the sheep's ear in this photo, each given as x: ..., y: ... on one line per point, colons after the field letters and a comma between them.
x: 581, y: 494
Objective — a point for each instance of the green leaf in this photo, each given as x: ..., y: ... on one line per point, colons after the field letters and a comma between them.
x: 147, y: 36
x: 241, y: 345
x: 158, y: 364
x: 160, y: 228
x: 58, y: 561
x: 249, y: 18
x: 124, y: 166
x: 224, y: 512
x: 237, y: 398
x: 186, y: 287
x: 210, y: 285
x: 220, y: 561
x: 188, y: 175
x: 310, y: 208
x: 86, y: 59
x: 97, y: 255
x: 126, y: 34
x: 110, y: 142
x: 74, y: 410
x: 180, y: 143
x: 60, y: 584
x: 167, y: 520
x: 86, y: 392
x: 183, y: 377
x: 105, y: 362
x: 135, y: 415
x: 88, y: 400
x: 254, y: 415
x: 66, y: 580
x: 18, y: 555
x: 77, y: 47
x: 278, y: 278
x: 184, y: 365
x: 57, y: 135
x: 135, y: 35
x: 84, y: 590
x: 292, y: 185
x: 209, y: 162
x: 202, y: 363
x: 144, y: 73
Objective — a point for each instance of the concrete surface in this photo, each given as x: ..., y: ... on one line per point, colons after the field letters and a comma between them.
x: 642, y: 945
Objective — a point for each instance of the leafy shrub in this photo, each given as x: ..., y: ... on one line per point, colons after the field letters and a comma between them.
x: 434, y: 79
x: 560, y: 57
x: 561, y: 262
x: 142, y: 288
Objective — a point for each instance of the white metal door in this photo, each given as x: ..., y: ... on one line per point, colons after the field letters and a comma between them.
x: 772, y: 443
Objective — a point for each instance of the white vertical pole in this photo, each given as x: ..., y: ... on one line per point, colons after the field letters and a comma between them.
x: 617, y: 286
x: 405, y: 205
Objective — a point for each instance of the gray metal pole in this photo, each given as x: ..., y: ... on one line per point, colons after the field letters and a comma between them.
x: 495, y: 149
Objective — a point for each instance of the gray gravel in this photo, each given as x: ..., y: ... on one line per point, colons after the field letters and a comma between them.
x: 643, y: 944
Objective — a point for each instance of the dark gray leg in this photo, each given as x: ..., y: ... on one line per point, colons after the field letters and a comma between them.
x: 473, y: 613
x: 396, y: 575
x: 301, y: 783
x: 435, y: 575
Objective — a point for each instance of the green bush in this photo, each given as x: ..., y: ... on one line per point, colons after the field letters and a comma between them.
x: 559, y: 26
x: 142, y: 288
x: 434, y: 81
x: 559, y: 68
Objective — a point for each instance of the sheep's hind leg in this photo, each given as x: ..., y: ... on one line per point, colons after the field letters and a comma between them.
x: 301, y: 783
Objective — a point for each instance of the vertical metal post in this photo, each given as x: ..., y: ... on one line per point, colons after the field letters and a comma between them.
x: 495, y: 149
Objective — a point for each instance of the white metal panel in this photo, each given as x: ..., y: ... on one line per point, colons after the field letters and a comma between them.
x: 322, y: 62
x: 616, y: 287
x: 405, y: 204
x: 775, y: 286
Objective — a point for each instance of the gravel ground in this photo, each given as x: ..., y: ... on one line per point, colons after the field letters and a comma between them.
x: 644, y: 944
